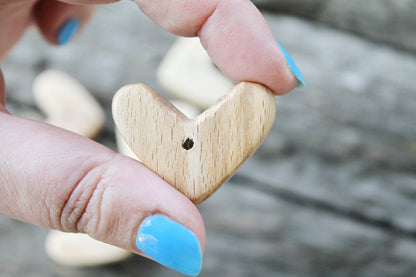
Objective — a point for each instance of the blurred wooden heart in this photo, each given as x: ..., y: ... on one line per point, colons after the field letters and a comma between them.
x: 196, y: 156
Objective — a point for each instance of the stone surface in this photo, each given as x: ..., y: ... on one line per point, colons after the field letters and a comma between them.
x: 348, y: 138
x: 259, y: 234
x: 390, y: 21
x: 332, y: 190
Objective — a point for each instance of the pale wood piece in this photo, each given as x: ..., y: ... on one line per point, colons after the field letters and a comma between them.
x: 188, y: 73
x: 68, y: 104
x: 224, y: 136
x: 123, y: 148
x: 81, y: 250
x: 187, y: 109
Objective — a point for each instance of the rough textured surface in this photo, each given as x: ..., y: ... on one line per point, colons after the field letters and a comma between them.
x: 391, y: 21
x: 332, y: 190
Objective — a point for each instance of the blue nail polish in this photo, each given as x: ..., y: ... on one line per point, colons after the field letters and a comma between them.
x: 67, y: 31
x: 171, y: 244
x: 293, y: 67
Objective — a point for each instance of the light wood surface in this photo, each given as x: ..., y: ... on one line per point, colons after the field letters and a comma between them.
x: 187, y: 109
x: 223, y: 137
x: 68, y: 104
x: 79, y: 250
x: 185, y: 67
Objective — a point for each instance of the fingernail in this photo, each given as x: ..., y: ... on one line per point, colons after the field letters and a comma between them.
x: 67, y: 31
x: 171, y: 244
x: 293, y: 67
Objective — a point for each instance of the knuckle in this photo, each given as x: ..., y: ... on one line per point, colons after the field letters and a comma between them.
x: 181, y: 17
x: 81, y: 210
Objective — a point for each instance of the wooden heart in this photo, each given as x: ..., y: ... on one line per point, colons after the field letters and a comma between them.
x: 196, y: 156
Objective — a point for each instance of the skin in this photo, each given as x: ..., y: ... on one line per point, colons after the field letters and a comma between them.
x: 95, y: 190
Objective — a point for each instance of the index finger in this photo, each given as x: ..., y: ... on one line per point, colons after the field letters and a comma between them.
x: 235, y: 35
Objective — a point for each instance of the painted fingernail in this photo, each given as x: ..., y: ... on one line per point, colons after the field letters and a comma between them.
x: 293, y: 67
x: 67, y: 31
x: 171, y: 244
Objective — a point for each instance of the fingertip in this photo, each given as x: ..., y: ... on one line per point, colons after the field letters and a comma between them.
x: 60, y: 22
x: 2, y: 93
x: 278, y: 72
x: 170, y: 243
x: 244, y: 48
x: 271, y: 67
x: 172, y: 233
x: 293, y: 67
x: 142, y: 213
x: 67, y: 31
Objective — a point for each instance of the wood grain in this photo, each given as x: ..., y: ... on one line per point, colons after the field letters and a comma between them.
x: 223, y: 136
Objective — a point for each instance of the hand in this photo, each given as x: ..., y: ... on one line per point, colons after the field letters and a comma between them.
x: 56, y: 179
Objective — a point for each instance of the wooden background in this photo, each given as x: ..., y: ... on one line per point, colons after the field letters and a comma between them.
x: 331, y: 192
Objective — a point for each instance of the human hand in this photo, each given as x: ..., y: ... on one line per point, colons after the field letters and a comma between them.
x: 56, y: 179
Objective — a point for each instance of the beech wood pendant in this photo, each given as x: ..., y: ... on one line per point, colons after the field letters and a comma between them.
x: 196, y: 156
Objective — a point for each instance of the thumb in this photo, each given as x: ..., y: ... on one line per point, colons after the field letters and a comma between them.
x: 57, y: 179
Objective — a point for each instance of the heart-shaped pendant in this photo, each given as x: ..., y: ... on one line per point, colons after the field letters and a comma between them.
x: 196, y: 156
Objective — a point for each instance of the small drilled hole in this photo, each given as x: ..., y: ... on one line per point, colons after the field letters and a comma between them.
x: 187, y: 144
